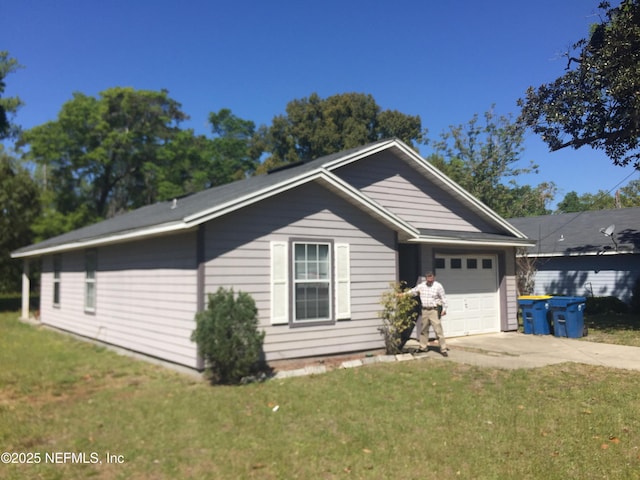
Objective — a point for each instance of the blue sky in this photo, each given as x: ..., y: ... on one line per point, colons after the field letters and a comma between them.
x: 444, y: 61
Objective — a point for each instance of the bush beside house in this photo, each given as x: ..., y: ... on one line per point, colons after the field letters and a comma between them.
x: 227, y: 336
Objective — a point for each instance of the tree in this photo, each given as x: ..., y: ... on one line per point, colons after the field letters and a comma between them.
x: 596, y: 102
x: 601, y: 200
x: 526, y: 268
x: 627, y: 196
x: 314, y: 127
x: 630, y: 194
x: 19, y: 206
x: 182, y: 166
x: 103, y: 154
x: 234, y: 155
x: 8, y: 105
x: 571, y: 203
x: 482, y: 157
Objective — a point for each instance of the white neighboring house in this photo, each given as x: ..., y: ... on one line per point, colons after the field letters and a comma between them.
x: 315, y: 244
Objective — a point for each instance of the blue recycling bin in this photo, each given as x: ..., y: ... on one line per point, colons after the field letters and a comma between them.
x: 568, y: 316
x: 535, y: 309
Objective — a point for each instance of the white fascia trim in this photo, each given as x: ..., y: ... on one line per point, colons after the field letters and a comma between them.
x: 342, y: 161
x: 458, y: 241
x: 154, y: 231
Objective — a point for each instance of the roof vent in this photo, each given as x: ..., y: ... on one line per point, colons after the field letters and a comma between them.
x: 174, y: 204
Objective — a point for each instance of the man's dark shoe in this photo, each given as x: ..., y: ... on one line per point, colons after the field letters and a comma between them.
x: 445, y: 353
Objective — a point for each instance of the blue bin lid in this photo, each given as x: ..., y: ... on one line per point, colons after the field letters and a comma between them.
x: 564, y: 301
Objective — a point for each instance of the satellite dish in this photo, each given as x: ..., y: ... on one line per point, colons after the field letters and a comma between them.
x: 609, y: 230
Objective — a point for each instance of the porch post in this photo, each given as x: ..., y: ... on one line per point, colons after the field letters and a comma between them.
x: 25, y: 290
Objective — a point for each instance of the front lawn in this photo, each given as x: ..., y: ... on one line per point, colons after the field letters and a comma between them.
x: 69, y: 403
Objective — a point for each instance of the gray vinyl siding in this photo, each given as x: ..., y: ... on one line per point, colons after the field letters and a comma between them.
x: 510, y: 300
x: 600, y: 276
x: 409, y: 194
x: 145, y: 298
x: 238, y: 255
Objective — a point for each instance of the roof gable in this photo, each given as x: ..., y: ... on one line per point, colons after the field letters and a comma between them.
x: 190, y: 211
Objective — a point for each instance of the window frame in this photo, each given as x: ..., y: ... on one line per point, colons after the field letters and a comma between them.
x: 90, y: 280
x: 329, y: 280
x: 57, y: 274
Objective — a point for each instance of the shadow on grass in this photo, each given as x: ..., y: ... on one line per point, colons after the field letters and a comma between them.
x: 613, y: 321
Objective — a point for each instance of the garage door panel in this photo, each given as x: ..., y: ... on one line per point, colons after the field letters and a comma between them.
x: 472, y: 293
x: 452, y: 325
x: 454, y: 320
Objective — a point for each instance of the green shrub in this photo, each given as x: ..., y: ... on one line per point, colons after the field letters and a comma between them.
x: 597, y: 305
x: 228, y: 338
x: 12, y: 302
x: 398, y: 315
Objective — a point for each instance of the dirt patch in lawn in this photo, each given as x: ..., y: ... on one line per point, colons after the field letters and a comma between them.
x: 329, y: 361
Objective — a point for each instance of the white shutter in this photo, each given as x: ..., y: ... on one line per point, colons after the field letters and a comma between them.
x: 343, y: 281
x: 279, y: 282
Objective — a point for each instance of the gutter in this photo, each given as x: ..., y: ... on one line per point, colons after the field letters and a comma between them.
x: 459, y: 241
x: 154, y: 231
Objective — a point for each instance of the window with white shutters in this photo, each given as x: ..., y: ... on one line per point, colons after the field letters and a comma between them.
x: 310, y: 282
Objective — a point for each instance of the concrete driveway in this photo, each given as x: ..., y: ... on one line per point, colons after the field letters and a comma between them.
x: 516, y: 350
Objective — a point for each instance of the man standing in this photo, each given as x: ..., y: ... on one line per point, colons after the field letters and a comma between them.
x: 434, y: 306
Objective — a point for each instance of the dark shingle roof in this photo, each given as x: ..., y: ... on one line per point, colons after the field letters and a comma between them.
x: 580, y: 233
x: 162, y: 213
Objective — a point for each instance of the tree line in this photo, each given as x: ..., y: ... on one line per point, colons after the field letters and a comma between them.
x: 125, y: 148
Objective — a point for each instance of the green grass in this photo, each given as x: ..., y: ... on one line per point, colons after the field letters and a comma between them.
x: 412, y: 420
x: 616, y: 328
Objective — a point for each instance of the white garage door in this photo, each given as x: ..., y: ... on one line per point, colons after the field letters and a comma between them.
x: 471, y: 285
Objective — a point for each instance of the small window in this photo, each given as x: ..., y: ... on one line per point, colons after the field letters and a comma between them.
x: 487, y: 263
x: 456, y: 263
x: 472, y: 263
x: 440, y: 263
x: 91, y: 264
x: 57, y: 267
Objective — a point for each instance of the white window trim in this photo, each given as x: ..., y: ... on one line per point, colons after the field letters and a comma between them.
x: 57, y: 274
x: 329, y: 281
x: 90, y: 281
